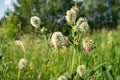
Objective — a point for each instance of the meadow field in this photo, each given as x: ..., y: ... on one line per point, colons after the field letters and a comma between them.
x: 44, y: 62
x: 60, y: 40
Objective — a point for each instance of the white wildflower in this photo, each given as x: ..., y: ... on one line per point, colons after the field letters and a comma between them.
x: 35, y: 21
x: 82, y: 24
x: 87, y: 44
x: 22, y: 64
x: 70, y: 17
x: 75, y: 9
x: 62, y: 78
x: 81, y: 70
x: 80, y: 20
x: 57, y: 39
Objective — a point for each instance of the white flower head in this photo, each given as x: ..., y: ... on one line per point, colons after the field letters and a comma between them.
x: 87, y: 44
x: 70, y: 17
x: 22, y: 64
x: 35, y: 21
x: 57, y: 39
x: 81, y: 70
x: 62, y: 78
x: 84, y: 26
x: 75, y: 9
x: 80, y: 20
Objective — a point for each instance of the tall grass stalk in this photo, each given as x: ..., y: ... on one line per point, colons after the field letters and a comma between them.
x: 73, y: 58
x: 18, y: 77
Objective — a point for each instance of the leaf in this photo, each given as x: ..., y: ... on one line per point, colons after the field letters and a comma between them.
x: 67, y: 75
x: 95, y: 69
x: 107, y: 74
x: 73, y: 75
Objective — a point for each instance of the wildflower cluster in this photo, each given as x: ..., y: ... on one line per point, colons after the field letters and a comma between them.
x: 79, y: 28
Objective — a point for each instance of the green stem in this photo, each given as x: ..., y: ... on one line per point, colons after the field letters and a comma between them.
x: 73, y: 59
x: 18, y: 75
x: 86, y: 64
x: 75, y: 3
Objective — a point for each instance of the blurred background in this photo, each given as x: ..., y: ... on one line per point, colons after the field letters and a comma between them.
x: 15, y: 15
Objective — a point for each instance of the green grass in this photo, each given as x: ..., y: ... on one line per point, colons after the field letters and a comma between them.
x: 44, y: 62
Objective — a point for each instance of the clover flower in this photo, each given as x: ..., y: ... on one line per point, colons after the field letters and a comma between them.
x: 57, y: 39
x: 82, y: 24
x: 75, y: 9
x: 81, y: 70
x: 22, y: 64
x: 87, y: 44
x: 35, y: 21
x: 62, y: 78
x: 80, y: 20
x: 71, y: 15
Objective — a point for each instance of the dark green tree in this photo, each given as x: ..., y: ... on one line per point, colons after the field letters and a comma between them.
x: 51, y: 12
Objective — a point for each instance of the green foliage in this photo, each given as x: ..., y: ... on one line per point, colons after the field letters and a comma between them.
x: 46, y: 62
x: 51, y: 12
x: 106, y: 74
x: 102, y: 13
x: 10, y: 26
x: 99, y: 13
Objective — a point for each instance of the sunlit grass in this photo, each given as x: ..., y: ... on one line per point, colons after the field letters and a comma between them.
x: 45, y: 62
